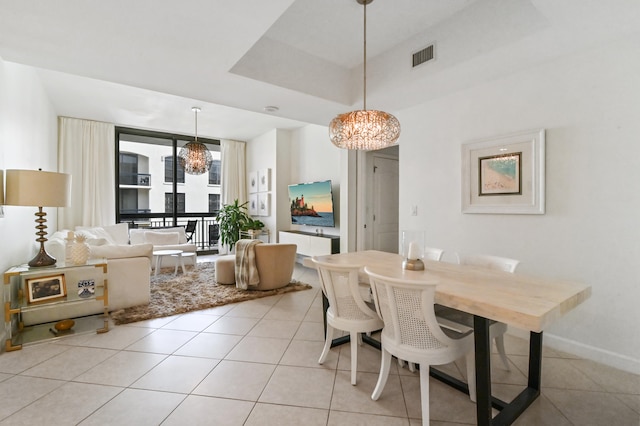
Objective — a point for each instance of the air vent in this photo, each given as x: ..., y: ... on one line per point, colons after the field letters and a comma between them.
x: 423, y: 56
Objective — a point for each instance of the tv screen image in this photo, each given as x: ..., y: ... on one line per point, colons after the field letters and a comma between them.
x: 311, y: 204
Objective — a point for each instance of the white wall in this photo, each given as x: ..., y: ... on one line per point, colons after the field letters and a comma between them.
x: 262, y: 154
x: 315, y: 158
x: 294, y: 156
x: 589, y: 105
x: 28, y: 140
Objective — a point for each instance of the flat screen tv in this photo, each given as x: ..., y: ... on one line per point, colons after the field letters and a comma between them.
x: 312, y: 204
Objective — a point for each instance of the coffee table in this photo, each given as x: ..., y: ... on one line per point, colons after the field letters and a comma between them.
x: 159, y: 254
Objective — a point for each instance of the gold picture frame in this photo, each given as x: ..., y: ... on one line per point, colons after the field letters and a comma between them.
x: 45, y: 289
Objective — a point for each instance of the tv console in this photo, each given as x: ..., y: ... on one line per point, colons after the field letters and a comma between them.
x: 310, y: 243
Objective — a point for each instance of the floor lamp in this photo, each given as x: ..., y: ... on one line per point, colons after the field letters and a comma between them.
x: 40, y: 189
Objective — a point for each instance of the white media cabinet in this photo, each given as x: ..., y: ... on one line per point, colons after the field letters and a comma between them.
x: 310, y: 243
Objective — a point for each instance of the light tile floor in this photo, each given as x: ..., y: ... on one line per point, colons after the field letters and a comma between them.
x: 255, y: 363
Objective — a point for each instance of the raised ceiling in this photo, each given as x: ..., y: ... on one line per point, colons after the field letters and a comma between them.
x: 144, y: 63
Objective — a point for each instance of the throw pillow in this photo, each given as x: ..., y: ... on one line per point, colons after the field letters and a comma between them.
x: 136, y: 236
x: 96, y: 232
x: 119, y: 232
x: 161, y: 238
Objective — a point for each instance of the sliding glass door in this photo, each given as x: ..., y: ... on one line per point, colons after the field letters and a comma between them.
x: 154, y: 191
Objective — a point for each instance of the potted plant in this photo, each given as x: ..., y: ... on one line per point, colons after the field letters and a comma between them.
x: 253, y: 226
x: 231, y: 219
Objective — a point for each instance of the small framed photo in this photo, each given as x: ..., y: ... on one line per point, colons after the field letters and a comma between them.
x: 253, y: 182
x: 263, y: 204
x: 253, y: 204
x: 45, y: 289
x: 264, y: 180
x: 505, y: 174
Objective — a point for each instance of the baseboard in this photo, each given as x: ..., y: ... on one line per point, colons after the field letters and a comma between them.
x: 602, y: 356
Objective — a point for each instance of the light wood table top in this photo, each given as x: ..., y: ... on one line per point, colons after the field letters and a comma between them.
x: 522, y: 301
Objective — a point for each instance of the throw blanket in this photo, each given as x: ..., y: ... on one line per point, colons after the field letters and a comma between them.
x: 246, y: 271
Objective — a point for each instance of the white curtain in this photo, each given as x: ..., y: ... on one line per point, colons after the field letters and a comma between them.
x: 233, y: 183
x: 86, y: 150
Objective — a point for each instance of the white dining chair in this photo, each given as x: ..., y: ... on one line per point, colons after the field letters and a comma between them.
x: 411, y: 332
x: 432, y: 253
x: 461, y: 321
x: 347, y: 310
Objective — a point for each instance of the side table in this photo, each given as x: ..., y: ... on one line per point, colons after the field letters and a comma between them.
x: 162, y: 253
x: 29, y: 293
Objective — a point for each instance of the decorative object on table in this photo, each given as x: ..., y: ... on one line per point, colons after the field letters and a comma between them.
x: 86, y: 288
x: 505, y: 174
x: 231, y: 218
x: 413, y: 244
x: 194, y: 156
x: 80, y: 250
x: 40, y: 189
x: 194, y: 291
x: 253, y: 182
x: 64, y: 325
x: 264, y: 204
x: 253, y: 226
x: 264, y: 180
x: 45, y: 289
x: 364, y: 129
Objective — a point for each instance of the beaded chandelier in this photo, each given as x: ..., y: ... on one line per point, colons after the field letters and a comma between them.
x: 194, y: 157
x: 364, y: 129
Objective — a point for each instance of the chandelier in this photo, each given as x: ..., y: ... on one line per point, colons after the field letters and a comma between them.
x: 364, y: 129
x: 194, y: 157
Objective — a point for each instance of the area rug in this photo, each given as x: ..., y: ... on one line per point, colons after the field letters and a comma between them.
x: 197, y: 289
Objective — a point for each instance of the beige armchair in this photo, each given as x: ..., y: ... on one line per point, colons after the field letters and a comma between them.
x: 274, y: 262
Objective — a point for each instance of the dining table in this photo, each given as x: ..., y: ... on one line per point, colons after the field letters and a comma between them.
x: 518, y: 300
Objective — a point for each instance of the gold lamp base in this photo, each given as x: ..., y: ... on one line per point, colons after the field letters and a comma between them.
x: 42, y: 258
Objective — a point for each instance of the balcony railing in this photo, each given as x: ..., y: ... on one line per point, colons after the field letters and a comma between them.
x: 205, y: 237
x: 138, y: 179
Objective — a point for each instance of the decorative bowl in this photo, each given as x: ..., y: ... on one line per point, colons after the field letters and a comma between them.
x: 64, y: 325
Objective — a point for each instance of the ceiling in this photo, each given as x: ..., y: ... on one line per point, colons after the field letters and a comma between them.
x: 145, y: 63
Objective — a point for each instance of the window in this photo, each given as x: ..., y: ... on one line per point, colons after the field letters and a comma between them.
x: 168, y: 170
x: 168, y: 202
x: 151, y: 187
x: 128, y: 169
x: 214, y: 203
x: 214, y: 175
x: 129, y: 200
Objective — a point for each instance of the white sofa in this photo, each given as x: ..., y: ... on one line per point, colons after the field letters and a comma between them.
x: 164, y: 239
x: 128, y: 272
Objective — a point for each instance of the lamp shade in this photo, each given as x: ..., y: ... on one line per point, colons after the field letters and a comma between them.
x: 38, y: 189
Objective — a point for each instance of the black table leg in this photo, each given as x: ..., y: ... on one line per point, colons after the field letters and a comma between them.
x: 509, y: 412
x: 483, y: 370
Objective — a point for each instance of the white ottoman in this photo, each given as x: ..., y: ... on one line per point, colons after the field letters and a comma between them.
x: 226, y: 269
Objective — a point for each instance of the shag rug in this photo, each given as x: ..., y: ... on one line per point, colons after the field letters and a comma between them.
x: 192, y: 291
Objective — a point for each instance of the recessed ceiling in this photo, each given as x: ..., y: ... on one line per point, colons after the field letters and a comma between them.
x: 146, y: 63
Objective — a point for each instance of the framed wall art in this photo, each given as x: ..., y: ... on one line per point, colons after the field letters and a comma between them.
x: 253, y: 182
x: 263, y: 204
x: 505, y: 174
x: 253, y: 205
x: 264, y: 180
x: 45, y: 289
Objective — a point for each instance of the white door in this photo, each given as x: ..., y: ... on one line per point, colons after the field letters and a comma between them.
x: 385, y: 204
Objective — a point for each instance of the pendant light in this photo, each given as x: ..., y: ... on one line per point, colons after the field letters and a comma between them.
x: 194, y: 157
x: 364, y: 129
